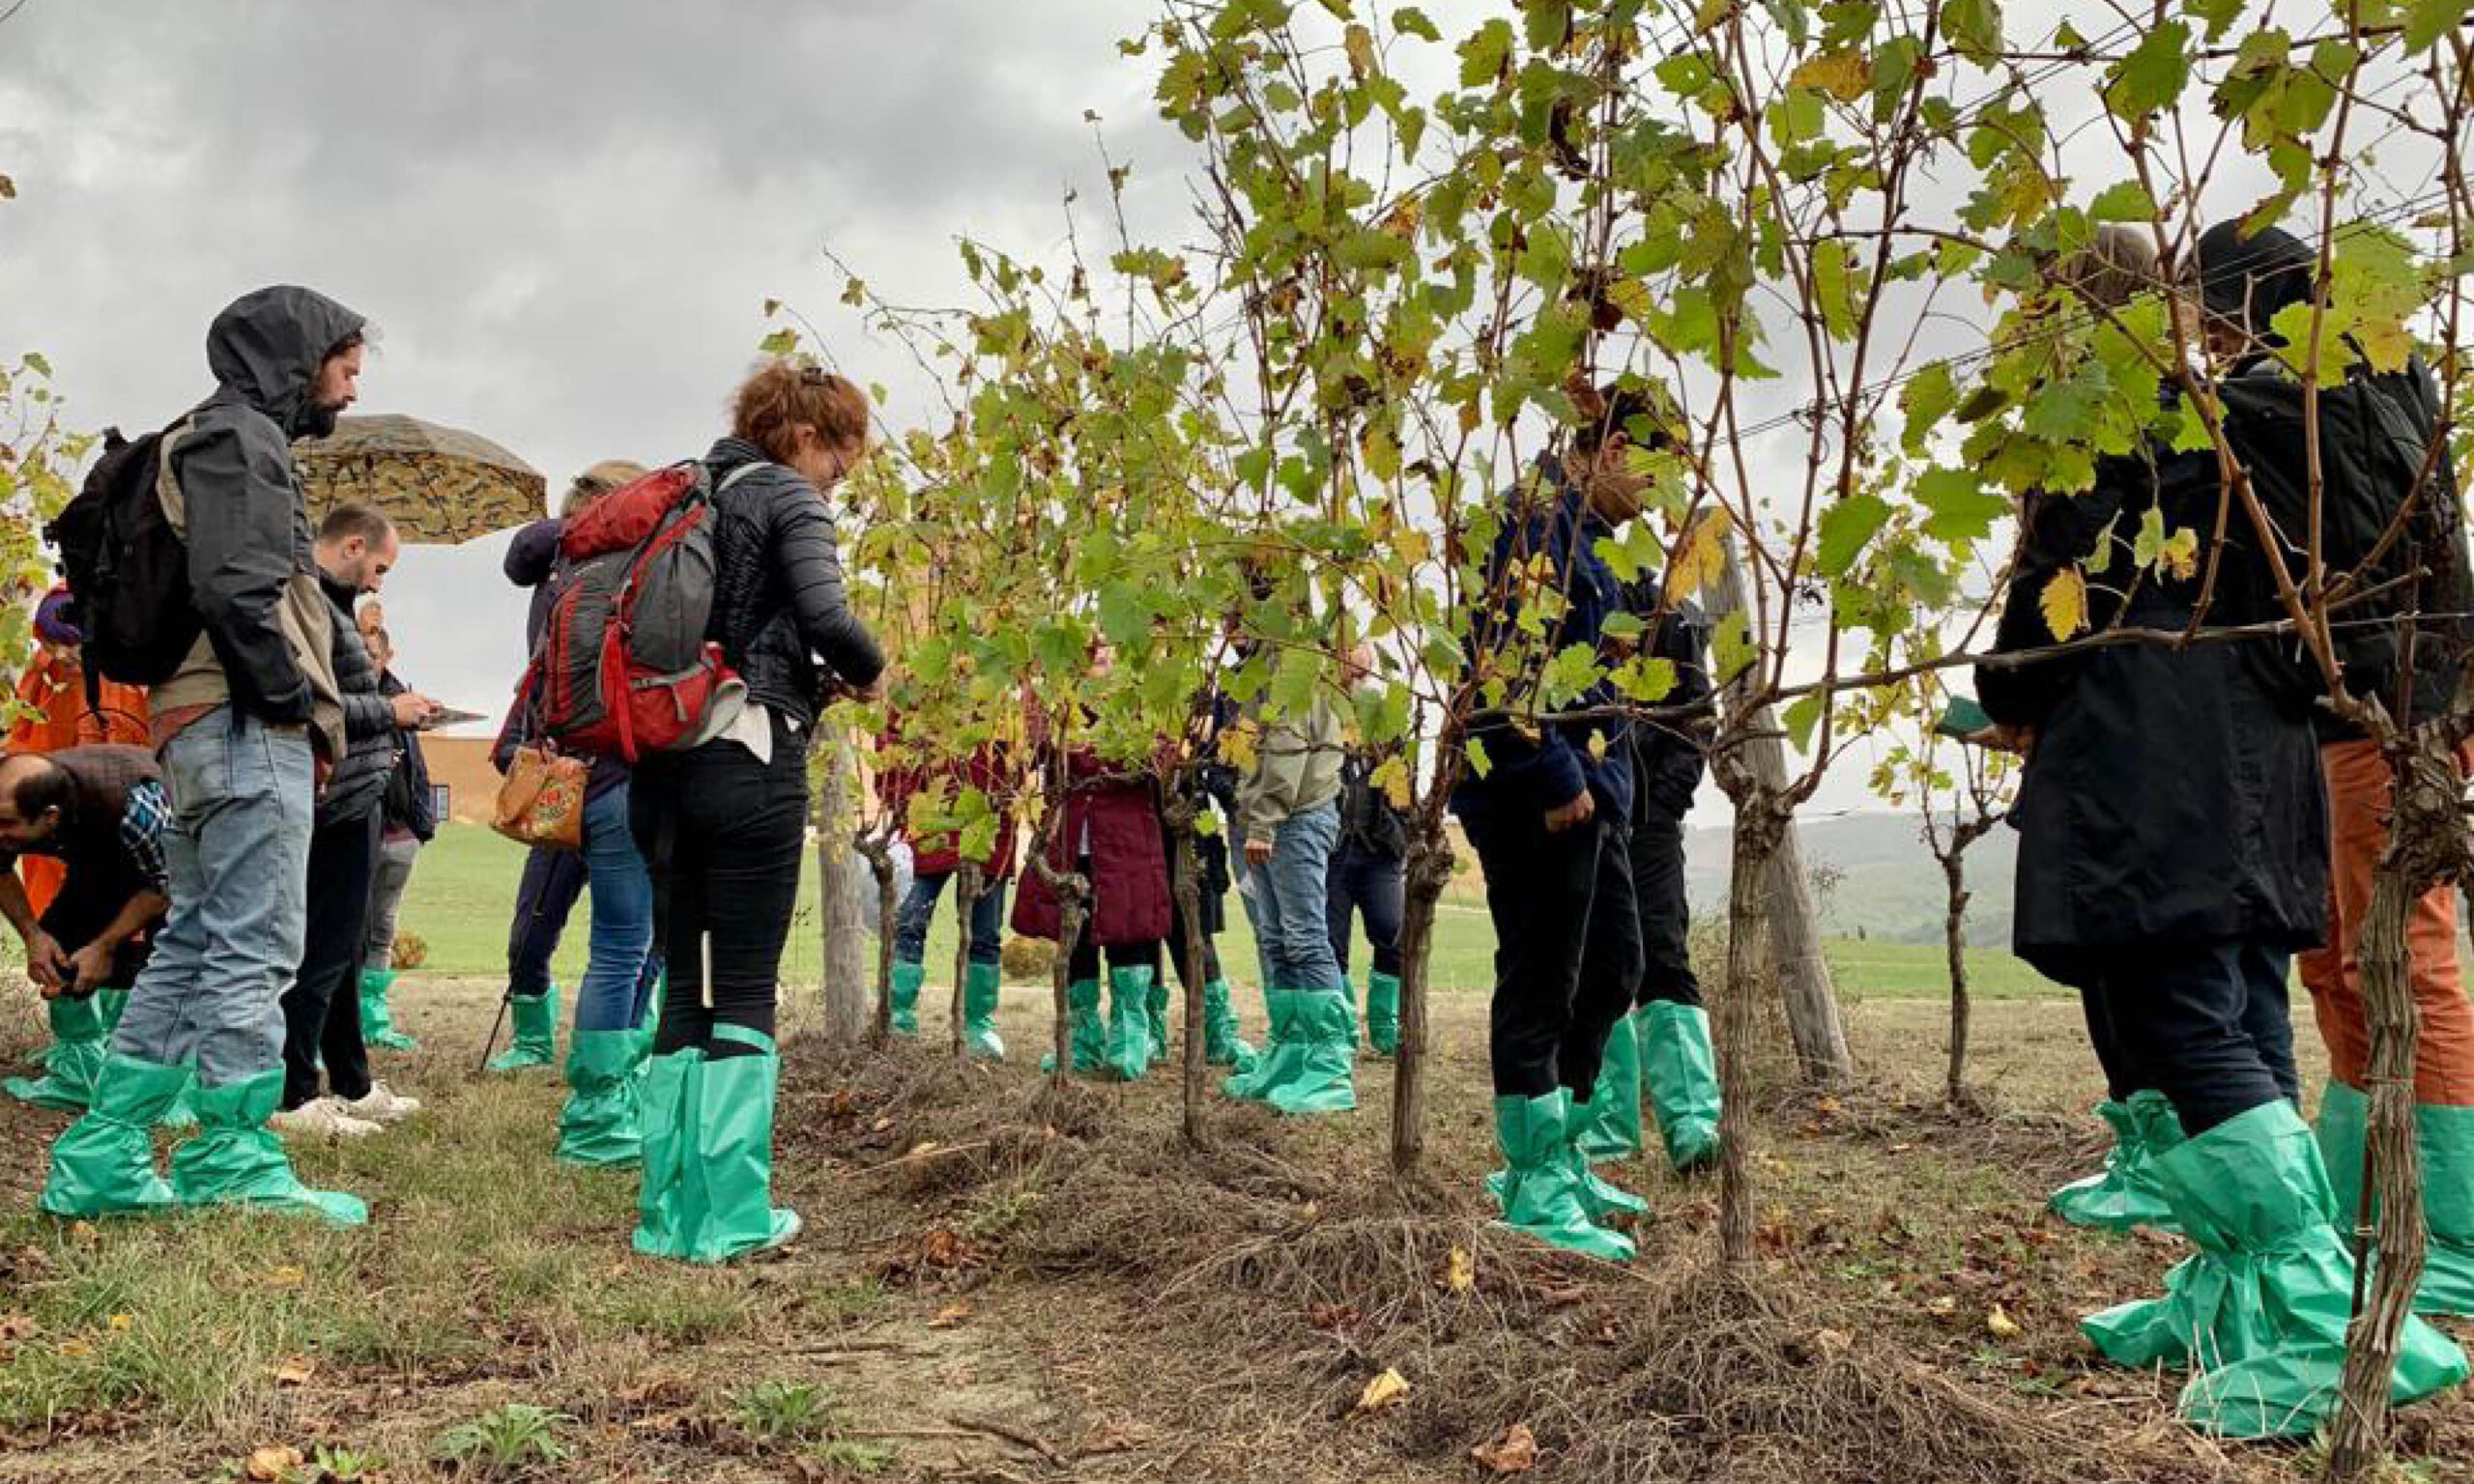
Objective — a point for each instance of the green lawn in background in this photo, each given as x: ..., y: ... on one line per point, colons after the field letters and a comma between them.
x: 464, y: 889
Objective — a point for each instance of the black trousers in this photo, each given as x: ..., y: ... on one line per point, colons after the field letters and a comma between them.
x: 1174, y: 946
x: 91, y: 898
x: 1656, y: 847
x: 1568, y: 945
x: 322, y: 1010
x: 1369, y: 884
x: 2207, y: 1024
x: 552, y: 882
x: 722, y: 833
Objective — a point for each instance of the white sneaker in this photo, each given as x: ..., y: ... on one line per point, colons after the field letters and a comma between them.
x: 381, y: 1104
x: 322, y: 1118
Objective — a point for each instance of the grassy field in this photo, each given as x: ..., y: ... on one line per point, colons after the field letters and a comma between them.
x: 1000, y: 1285
x: 464, y: 888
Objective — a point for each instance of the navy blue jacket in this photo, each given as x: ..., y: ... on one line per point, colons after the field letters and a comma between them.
x: 1550, y: 771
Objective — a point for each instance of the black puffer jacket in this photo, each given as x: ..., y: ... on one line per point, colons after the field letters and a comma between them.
x: 359, y: 783
x: 2171, y: 795
x: 1670, y: 756
x: 779, y: 607
x: 408, y: 801
x: 248, y: 531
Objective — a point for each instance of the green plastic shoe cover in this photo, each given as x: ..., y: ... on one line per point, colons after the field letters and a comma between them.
x: 1383, y: 1014
x: 1323, y: 1078
x: 980, y: 989
x: 1281, y: 1055
x: 597, y: 1126
x: 729, y: 1169
x: 377, y: 1020
x: 1222, y: 1043
x: 2124, y: 1194
x: 1086, y: 1038
x: 1679, y: 1075
x: 78, y: 1036
x: 906, y: 980
x: 536, y: 1032
x: 2445, y: 1142
x: 1612, y: 1127
x: 2259, y: 1312
x: 103, y: 1165
x: 236, y: 1160
x: 669, y: 1209
x: 1155, y: 1003
x: 114, y: 1003
x: 1539, y: 1194
x: 1130, y: 1047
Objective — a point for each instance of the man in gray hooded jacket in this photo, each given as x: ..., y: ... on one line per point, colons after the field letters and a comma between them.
x: 240, y: 731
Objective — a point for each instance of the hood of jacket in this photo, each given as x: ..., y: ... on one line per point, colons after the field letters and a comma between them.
x: 533, y: 553
x: 2249, y: 280
x: 266, y: 348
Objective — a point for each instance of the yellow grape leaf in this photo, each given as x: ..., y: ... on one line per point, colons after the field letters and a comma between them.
x: 287, y: 1276
x: 1383, y: 1390
x: 2180, y: 555
x: 2001, y: 1326
x: 2065, y: 603
x: 1459, y: 1272
x: 1238, y: 745
x: 273, y: 1462
x: 120, y: 1323
x: 1393, y: 778
x: 293, y: 1373
x: 1359, y: 42
x: 1842, y: 74
x: 1701, y: 560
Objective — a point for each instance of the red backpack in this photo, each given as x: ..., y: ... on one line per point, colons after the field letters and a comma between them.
x: 623, y: 666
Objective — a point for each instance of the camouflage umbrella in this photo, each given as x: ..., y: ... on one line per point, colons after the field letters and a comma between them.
x: 439, y: 485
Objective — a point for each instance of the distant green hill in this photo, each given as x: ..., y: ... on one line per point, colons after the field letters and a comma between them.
x: 1877, y: 880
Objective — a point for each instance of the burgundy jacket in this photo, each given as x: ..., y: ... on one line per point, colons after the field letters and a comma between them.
x: 1129, y: 901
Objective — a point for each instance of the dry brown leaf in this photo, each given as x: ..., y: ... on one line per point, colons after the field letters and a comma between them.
x: 121, y: 1323
x: 1459, y: 1272
x: 1832, y: 1341
x: 1385, y: 1390
x: 881, y: 1125
x: 84, y: 1230
x: 1515, y: 1453
x: 76, y: 1350
x: 1942, y: 1307
x: 2001, y: 1326
x: 287, y: 1276
x: 293, y: 1373
x: 274, y: 1461
x: 949, y: 1316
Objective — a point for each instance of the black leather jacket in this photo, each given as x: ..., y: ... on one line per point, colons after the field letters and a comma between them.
x: 779, y: 609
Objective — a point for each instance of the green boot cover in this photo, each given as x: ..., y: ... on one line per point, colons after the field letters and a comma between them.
x: 1538, y: 1193
x: 1222, y: 1044
x: 1324, y: 1077
x: 1600, y: 1198
x: 2445, y: 1138
x: 103, y: 1165
x: 2447, y: 1144
x: 1680, y: 1074
x: 1156, y: 1004
x: 598, y: 1125
x: 1383, y: 1014
x: 732, y: 1159
x: 183, y: 1113
x: 1612, y: 1128
x: 1283, y: 1053
x: 236, y: 1160
x: 906, y: 980
x: 980, y: 986
x: 536, y: 1032
x: 78, y: 1034
x: 1130, y: 1048
x: 2124, y: 1194
x: 2259, y: 1313
x: 115, y: 1004
x: 669, y: 1209
x: 377, y: 1021
x: 1086, y: 1038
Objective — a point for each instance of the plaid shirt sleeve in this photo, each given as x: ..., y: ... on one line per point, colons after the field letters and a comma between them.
x: 141, y: 834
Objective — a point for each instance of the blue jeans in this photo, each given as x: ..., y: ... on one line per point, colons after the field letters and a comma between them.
x: 1368, y: 882
x: 919, y: 909
x: 237, y: 851
x: 1286, y: 902
x: 615, y: 978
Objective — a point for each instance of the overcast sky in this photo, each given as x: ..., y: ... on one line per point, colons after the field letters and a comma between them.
x: 564, y: 216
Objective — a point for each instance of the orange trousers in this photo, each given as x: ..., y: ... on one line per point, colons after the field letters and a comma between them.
x: 2358, y: 789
